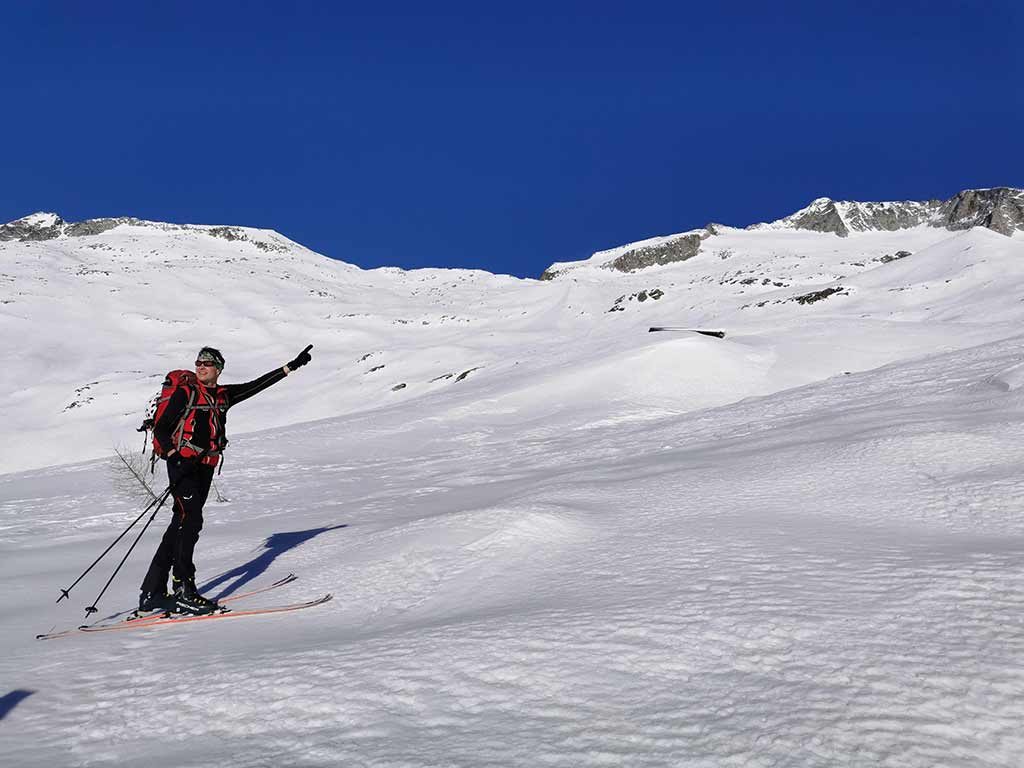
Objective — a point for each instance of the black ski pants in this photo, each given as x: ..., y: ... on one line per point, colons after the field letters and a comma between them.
x: 191, y: 487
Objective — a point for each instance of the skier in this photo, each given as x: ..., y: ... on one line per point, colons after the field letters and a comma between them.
x: 192, y: 426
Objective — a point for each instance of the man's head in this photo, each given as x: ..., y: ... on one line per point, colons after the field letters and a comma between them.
x: 209, y: 364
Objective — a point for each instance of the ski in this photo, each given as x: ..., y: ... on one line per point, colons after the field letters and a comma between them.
x: 137, y: 617
x: 155, y: 622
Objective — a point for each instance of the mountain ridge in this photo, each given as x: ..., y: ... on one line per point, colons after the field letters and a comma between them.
x: 1000, y: 209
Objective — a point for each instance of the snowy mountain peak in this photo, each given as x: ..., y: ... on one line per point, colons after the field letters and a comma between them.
x: 36, y: 226
x: 50, y: 226
x: 1000, y: 209
x: 843, y: 217
x: 40, y: 219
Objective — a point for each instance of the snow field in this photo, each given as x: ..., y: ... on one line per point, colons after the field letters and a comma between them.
x: 830, y: 575
x: 798, y: 546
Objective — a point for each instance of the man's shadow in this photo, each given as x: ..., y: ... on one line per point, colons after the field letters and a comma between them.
x: 273, y: 545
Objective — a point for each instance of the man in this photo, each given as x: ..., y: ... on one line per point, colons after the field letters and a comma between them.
x: 192, y: 430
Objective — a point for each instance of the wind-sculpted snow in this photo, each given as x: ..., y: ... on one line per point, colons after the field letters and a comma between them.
x: 830, y: 575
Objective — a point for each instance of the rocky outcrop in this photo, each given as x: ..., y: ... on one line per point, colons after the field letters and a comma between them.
x: 48, y: 226
x: 889, y: 217
x: 820, y: 216
x: 38, y: 226
x: 843, y: 218
x: 95, y: 226
x: 1000, y: 209
x: 679, y: 249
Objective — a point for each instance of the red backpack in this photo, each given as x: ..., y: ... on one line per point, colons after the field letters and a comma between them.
x: 158, y: 404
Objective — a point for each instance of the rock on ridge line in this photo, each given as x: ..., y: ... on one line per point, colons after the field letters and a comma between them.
x: 49, y: 226
x: 1000, y: 209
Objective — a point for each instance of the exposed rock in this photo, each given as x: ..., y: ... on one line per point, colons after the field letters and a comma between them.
x: 820, y: 216
x: 679, y: 249
x: 550, y: 274
x: 47, y: 226
x: 38, y: 226
x: 227, y: 233
x: 655, y: 294
x: 815, y: 296
x: 94, y: 226
x: 896, y: 256
x: 1000, y: 209
x: 640, y: 297
x: 889, y: 217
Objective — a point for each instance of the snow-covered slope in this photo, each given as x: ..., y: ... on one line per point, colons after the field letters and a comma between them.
x: 98, y: 316
x: 824, y: 576
x: 565, y: 540
x: 1000, y: 209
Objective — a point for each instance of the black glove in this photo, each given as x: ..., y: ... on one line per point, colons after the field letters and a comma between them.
x: 303, y: 358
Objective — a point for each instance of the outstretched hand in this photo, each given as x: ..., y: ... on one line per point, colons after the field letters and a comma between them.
x: 303, y: 358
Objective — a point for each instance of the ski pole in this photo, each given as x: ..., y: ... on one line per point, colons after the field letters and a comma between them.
x: 157, y: 500
x: 92, y: 608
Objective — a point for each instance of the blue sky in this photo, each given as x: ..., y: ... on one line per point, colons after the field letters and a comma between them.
x: 500, y: 136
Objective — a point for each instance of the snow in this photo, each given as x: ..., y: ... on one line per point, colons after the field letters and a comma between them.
x: 801, y: 545
x: 40, y: 220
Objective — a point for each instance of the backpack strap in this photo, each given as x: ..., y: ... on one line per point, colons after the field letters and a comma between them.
x: 180, y: 430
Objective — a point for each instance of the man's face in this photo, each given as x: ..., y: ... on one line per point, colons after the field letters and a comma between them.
x: 207, y: 373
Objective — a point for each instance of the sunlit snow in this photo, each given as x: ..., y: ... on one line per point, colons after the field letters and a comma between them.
x: 564, y: 541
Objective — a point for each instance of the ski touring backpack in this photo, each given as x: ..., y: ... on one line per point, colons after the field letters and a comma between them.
x: 158, y: 404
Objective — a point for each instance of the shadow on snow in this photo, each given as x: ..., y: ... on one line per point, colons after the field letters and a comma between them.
x: 11, y: 700
x: 274, y: 545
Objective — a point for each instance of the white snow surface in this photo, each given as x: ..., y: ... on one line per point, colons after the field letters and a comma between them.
x: 801, y: 545
x: 40, y: 219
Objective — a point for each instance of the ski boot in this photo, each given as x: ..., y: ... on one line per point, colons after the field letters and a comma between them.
x: 187, y: 599
x: 153, y: 601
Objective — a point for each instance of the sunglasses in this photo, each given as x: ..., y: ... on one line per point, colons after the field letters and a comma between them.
x: 205, y: 364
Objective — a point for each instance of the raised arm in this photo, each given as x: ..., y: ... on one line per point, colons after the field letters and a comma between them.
x: 236, y: 393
